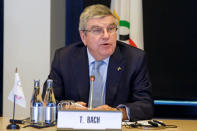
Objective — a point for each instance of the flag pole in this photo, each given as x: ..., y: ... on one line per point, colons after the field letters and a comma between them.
x: 13, y: 126
x: 14, y: 108
x: 14, y: 101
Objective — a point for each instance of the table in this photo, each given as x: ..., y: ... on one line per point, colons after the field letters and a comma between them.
x: 183, y: 125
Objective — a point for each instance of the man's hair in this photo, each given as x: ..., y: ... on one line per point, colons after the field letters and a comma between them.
x: 93, y: 11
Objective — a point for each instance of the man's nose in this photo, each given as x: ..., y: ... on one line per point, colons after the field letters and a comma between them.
x: 105, y: 33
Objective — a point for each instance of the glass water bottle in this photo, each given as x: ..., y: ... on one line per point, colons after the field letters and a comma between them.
x: 50, y: 103
x: 36, y: 105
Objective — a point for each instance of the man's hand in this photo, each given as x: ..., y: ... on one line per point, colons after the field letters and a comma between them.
x: 109, y: 108
x: 76, y: 106
x: 124, y: 113
x: 105, y: 108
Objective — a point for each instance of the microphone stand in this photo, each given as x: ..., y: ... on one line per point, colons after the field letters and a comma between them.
x: 92, y: 78
x: 13, y: 126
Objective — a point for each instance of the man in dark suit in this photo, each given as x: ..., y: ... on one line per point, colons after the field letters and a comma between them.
x: 124, y: 71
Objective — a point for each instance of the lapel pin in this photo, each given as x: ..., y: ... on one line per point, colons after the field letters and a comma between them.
x: 119, y: 68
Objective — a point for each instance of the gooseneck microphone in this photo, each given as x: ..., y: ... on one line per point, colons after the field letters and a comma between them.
x: 92, y: 78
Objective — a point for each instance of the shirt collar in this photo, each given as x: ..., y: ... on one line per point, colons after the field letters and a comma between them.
x: 92, y: 59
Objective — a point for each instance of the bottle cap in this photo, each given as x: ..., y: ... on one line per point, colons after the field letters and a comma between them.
x: 36, y: 83
x: 49, y: 83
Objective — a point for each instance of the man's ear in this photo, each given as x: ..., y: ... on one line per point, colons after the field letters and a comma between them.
x: 83, y: 37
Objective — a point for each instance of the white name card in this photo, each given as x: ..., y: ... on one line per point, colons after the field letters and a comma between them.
x: 89, y: 120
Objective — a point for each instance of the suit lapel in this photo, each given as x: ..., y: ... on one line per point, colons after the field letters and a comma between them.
x: 115, y: 69
x: 81, y: 73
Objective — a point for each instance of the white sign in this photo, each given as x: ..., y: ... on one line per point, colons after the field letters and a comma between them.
x: 89, y: 120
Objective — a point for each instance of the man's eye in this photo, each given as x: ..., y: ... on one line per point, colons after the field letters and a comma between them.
x: 110, y: 28
x: 98, y: 30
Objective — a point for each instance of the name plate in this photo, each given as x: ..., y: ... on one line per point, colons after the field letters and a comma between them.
x: 89, y: 120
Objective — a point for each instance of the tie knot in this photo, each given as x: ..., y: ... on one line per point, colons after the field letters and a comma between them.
x: 97, y: 64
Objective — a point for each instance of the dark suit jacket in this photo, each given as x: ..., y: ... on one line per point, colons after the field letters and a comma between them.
x: 127, y: 78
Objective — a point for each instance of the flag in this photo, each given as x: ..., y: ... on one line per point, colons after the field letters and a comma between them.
x: 17, y: 90
x: 129, y: 16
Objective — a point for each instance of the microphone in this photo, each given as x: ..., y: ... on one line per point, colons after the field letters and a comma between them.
x: 92, y: 78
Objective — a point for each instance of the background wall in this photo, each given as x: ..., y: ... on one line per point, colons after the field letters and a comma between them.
x: 58, y: 14
x: 170, y: 43
x: 28, y: 44
x: 171, y: 47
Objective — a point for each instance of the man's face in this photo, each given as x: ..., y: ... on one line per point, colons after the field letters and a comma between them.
x: 100, y: 37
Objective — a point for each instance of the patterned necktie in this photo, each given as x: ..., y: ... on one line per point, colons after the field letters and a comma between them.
x: 98, y: 89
